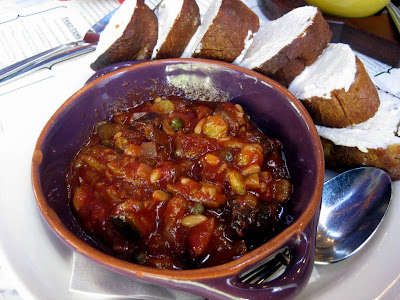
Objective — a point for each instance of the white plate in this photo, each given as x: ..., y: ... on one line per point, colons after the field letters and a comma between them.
x: 43, y: 264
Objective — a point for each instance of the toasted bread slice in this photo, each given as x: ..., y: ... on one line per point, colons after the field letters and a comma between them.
x: 178, y: 20
x: 336, y: 89
x: 130, y: 35
x: 224, y: 31
x: 282, y: 48
x: 375, y: 142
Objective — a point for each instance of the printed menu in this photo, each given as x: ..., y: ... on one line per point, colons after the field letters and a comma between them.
x: 30, y: 28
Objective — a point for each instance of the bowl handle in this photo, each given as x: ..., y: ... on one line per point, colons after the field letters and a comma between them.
x: 112, y: 68
x: 287, y: 285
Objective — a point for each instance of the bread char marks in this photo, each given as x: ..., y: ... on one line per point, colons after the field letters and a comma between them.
x: 166, y: 12
x: 221, y: 36
x: 178, y: 20
x: 206, y: 21
x: 231, y: 29
x: 137, y: 39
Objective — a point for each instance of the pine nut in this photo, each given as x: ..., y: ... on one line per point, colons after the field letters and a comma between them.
x: 117, y: 135
x: 252, y: 169
x: 161, y: 195
x: 185, y: 180
x: 199, y: 126
x: 192, y: 220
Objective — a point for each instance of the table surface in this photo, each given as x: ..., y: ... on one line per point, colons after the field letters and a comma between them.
x: 8, y: 281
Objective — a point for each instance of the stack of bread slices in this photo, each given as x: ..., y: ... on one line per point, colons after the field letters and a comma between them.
x: 228, y: 31
x: 358, y: 125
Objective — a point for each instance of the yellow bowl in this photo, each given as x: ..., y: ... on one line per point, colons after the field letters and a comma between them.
x: 349, y: 8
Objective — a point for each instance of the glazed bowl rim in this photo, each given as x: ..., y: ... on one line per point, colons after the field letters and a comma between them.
x: 226, y: 269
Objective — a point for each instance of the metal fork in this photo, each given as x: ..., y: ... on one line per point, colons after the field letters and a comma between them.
x: 268, y: 270
x: 395, y: 14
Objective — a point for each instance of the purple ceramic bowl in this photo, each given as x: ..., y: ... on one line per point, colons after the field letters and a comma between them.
x: 273, y: 108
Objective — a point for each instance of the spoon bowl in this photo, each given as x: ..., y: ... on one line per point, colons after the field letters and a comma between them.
x: 353, y: 205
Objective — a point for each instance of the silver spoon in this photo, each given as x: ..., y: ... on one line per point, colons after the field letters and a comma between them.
x: 353, y: 205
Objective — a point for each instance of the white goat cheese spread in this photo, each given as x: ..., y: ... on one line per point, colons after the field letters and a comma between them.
x: 334, y: 69
x: 273, y: 36
x: 206, y: 21
x: 116, y: 27
x: 380, y: 131
x: 167, y: 12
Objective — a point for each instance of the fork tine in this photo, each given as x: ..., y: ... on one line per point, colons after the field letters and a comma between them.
x: 395, y: 14
x: 263, y: 272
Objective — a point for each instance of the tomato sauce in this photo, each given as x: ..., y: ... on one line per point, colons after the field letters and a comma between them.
x: 179, y: 184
